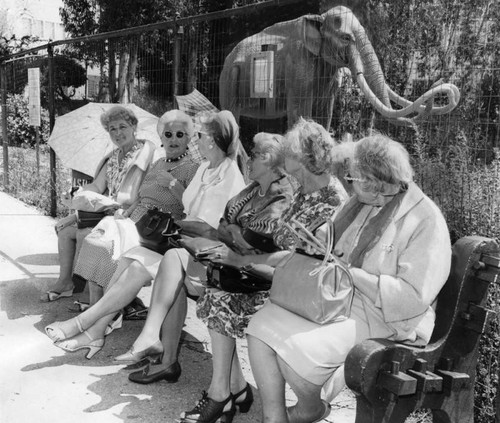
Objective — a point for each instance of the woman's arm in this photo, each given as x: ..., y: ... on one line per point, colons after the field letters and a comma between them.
x: 100, y: 182
x: 197, y: 228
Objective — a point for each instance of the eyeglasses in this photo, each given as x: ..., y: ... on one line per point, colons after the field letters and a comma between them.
x: 178, y: 134
x: 349, y: 179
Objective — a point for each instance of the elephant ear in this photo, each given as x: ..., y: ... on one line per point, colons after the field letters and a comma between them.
x: 311, y: 33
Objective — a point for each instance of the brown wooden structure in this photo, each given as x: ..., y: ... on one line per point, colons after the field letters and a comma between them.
x: 392, y: 379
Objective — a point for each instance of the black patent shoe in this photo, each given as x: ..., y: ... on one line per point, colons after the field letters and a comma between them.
x: 208, y: 410
x: 244, y: 399
x: 148, y: 374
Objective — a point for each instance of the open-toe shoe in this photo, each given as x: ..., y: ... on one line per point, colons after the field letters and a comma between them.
x: 50, y: 296
x: 56, y: 332
x: 208, y: 410
x: 72, y: 345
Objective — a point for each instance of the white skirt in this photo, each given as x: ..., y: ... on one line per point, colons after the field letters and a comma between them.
x: 195, y: 272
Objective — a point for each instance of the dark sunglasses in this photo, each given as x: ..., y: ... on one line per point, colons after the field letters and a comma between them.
x: 178, y: 134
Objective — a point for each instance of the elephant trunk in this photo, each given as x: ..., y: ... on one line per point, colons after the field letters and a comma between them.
x: 365, y: 67
x: 364, y: 62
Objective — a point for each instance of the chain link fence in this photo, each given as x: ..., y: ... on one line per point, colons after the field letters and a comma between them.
x: 455, y: 155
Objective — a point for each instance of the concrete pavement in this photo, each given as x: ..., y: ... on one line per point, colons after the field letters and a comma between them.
x: 40, y: 382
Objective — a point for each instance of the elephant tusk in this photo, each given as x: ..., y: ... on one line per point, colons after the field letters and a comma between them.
x: 419, y: 106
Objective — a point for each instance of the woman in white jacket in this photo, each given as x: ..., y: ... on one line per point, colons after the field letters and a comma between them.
x: 396, y: 245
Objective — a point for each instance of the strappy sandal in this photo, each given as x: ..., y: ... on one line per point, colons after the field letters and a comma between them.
x: 79, y: 307
x: 55, y: 332
x: 51, y: 296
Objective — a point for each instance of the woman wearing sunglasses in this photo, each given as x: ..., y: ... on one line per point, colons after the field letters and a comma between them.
x: 162, y: 188
x: 217, y: 179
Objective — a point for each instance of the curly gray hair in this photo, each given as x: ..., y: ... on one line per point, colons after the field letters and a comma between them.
x: 310, y: 144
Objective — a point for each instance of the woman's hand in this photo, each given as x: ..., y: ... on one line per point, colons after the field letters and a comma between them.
x: 225, y: 255
x: 120, y: 214
x: 238, y: 243
x: 165, y: 179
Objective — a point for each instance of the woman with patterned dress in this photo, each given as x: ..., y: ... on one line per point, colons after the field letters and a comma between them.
x: 307, y: 156
x: 121, y: 175
x: 162, y: 188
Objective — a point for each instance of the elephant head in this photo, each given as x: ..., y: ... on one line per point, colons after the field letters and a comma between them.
x: 339, y: 38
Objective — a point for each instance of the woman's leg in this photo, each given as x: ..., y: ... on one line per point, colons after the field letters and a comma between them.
x: 66, y: 247
x: 171, y: 329
x: 169, y: 282
x: 269, y: 379
x: 309, y: 406
x: 223, y: 352
x: 125, y: 284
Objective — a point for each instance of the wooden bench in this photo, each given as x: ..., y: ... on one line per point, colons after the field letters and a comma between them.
x: 392, y: 380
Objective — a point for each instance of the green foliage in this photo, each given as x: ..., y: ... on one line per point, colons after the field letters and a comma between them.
x: 68, y: 75
x: 32, y: 185
x: 19, y: 130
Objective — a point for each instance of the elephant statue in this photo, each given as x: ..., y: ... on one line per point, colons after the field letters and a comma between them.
x: 310, y: 55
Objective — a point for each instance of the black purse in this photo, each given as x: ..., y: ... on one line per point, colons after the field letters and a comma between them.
x: 86, y: 219
x: 156, y: 228
x: 246, y: 280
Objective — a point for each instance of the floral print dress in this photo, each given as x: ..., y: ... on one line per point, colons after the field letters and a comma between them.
x: 229, y: 313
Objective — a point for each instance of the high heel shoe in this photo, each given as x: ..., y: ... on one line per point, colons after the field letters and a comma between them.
x: 244, y: 399
x: 208, y: 410
x: 55, y: 332
x: 71, y: 345
x: 115, y: 324
x: 147, y: 375
x: 154, y: 352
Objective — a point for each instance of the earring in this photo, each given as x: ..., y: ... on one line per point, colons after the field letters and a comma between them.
x: 211, y: 146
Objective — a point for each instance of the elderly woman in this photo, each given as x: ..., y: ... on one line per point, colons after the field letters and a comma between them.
x: 306, y: 152
x: 121, y: 175
x: 396, y: 244
x: 215, y: 181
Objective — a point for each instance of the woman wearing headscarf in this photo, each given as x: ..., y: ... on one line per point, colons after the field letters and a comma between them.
x: 216, y: 180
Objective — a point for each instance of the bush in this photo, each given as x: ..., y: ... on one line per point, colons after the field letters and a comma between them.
x: 19, y: 130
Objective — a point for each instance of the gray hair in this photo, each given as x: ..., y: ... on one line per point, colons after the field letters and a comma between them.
x: 310, y: 144
x: 175, y: 116
x: 118, y: 113
x: 271, y: 145
x: 382, y: 161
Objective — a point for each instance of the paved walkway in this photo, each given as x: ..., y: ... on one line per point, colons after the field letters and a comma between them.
x: 41, y: 383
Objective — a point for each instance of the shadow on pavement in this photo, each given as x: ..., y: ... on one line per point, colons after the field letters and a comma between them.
x: 102, y: 386
x: 39, y: 259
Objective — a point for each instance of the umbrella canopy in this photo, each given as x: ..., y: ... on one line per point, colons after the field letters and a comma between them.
x: 80, y: 141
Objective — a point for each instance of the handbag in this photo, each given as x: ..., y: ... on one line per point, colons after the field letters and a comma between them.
x: 244, y: 280
x: 318, y: 288
x: 86, y: 219
x: 155, y: 230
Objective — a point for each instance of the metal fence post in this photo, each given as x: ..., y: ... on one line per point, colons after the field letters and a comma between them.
x: 179, y: 31
x: 52, y: 119
x: 5, y: 139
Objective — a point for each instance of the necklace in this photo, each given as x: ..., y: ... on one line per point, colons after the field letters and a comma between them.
x: 176, y: 159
